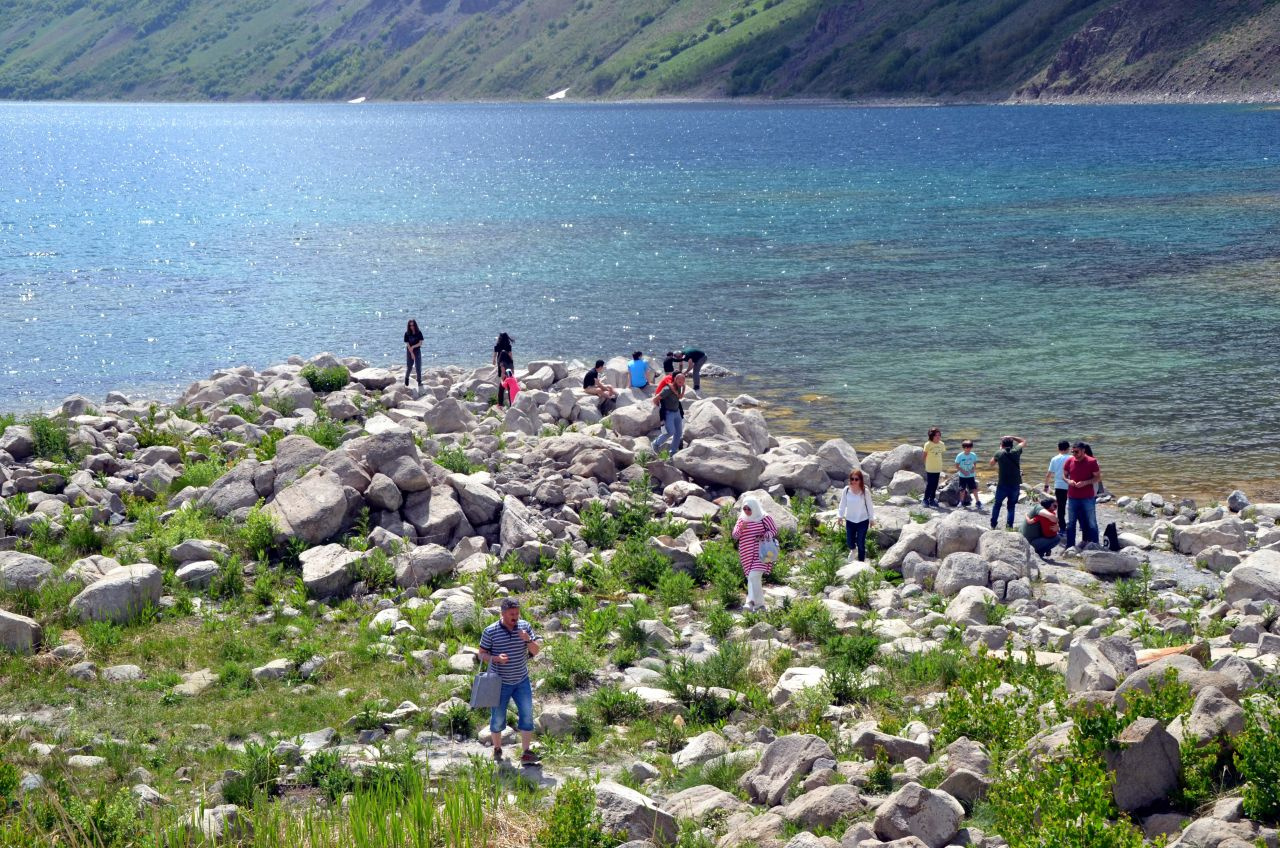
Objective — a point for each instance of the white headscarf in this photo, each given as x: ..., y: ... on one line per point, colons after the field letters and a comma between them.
x: 753, y: 503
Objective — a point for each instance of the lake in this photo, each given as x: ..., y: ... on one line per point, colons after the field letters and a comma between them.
x: 1107, y: 273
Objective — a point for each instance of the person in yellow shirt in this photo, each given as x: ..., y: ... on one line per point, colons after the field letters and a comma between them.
x: 933, y: 451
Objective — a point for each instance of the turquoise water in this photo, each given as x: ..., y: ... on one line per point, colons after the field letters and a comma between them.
x: 1104, y: 272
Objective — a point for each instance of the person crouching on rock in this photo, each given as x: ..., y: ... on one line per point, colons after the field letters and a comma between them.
x: 1041, y: 527
x: 509, y: 642
x: 754, y: 526
x: 668, y: 401
x: 512, y: 386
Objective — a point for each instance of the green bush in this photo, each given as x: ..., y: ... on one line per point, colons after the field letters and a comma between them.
x: 459, y: 720
x: 82, y: 538
x: 563, y: 597
x: 572, y: 665
x: 455, y: 459
x: 598, y: 625
x: 324, y: 432
x: 376, y: 571
x: 675, y: 588
x: 719, y: 623
x: 613, y: 706
x: 819, y: 571
x: 326, y: 772
x: 573, y: 821
x: 259, y: 773
x: 228, y: 583
x: 1258, y: 758
x: 200, y: 474
x: 880, y: 777
x: 643, y: 565
x: 598, y: 527
x: 51, y: 437
x: 265, y: 449
x: 258, y: 532
x: 7, y: 420
x: 719, y: 561
x: 326, y: 379
x: 810, y: 620
x: 9, y: 779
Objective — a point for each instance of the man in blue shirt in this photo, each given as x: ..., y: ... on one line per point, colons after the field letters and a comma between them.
x: 1056, y: 477
x: 509, y: 642
x: 639, y: 369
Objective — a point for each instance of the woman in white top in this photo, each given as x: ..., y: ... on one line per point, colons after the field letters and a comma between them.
x: 857, y: 511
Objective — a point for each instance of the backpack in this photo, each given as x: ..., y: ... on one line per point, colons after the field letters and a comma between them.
x: 1110, y: 538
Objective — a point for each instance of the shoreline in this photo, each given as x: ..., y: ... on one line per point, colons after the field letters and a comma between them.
x: 794, y: 416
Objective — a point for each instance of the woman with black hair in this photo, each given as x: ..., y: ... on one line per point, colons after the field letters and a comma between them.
x: 412, y: 351
x: 503, y: 361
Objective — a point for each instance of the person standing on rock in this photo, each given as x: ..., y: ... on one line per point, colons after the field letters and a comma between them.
x: 694, y: 359
x: 858, y: 512
x: 509, y: 642
x: 412, y: 352
x: 1009, y: 481
x: 503, y: 360
x: 934, y: 448
x: 754, y: 526
x: 591, y: 385
x: 1082, y: 473
x: 639, y: 370
x: 967, y: 474
x: 668, y: 401
x: 1041, y: 527
x: 1054, y: 477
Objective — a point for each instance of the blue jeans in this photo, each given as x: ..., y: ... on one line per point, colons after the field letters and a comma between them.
x: 673, y: 431
x: 411, y: 358
x: 1003, y: 493
x: 1083, y: 511
x: 523, y: 694
x: 855, y: 537
x: 1044, y: 545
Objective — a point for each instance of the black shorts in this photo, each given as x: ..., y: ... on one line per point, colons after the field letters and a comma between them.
x: 968, y: 484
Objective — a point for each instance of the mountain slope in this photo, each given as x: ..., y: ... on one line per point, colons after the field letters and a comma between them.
x: 453, y: 49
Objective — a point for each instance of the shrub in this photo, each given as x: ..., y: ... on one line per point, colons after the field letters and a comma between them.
x: 82, y: 538
x: 7, y: 420
x: 51, y: 437
x: 375, y: 570
x: 810, y: 620
x: 719, y: 623
x: 455, y: 459
x: 854, y: 651
x: 819, y: 572
x: 598, y: 527
x: 719, y: 561
x: 258, y: 532
x: 573, y: 821
x: 265, y: 450
x: 572, y: 665
x: 259, y: 772
x: 598, y: 625
x: 9, y: 779
x: 1258, y: 758
x: 324, y: 432
x: 229, y: 581
x: 563, y: 597
x: 325, y: 771
x: 880, y: 777
x: 459, y: 720
x: 675, y: 588
x: 613, y: 706
x: 1135, y: 594
x: 643, y: 565
x: 325, y: 379
x: 199, y: 474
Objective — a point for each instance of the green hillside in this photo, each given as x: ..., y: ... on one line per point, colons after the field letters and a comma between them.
x: 455, y: 49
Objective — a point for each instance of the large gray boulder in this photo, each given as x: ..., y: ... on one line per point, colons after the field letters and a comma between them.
x: 959, y: 570
x: 1010, y: 548
x: 701, y: 748
x: 838, y: 458
x: 930, y: 815
x: 1109, y: 563
x: 970, y: 605
x: 18, y: 442
x: 1099, y: 664
x: 784, y: 760
x: 237, y: 489
x: 327, y: 570
x: 867, y: 740
x: 1188, y: 671
x: 902, y: 458
x: 422, y: 564
x: 1255, y: 579
x: 706, y: 418
x: 120, y: 595
x: 1227, y: 533
x: 625, y: 810
x: 449, y: 416
x: 434, y: 514
x: 480, y: 504
x: 1213, y: 716
x: 1146, y: 765
x: 21, y: 572
x: 19, y: 634
x: 518, y: 524
x: 825, y: 806
x: 795, y: 474
x: 699, y: 802
x: 636, y: 419
x: 720, y: 463
x: 959, y: 532
x: 295, y: 455
x: 313, y: 509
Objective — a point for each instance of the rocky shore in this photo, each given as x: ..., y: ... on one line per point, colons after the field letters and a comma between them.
x: 247, y: 608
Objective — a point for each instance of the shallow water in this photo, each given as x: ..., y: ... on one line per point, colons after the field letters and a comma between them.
x: 1107, y: 273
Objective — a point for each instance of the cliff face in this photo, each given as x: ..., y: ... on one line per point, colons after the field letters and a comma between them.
x: 514, y: 49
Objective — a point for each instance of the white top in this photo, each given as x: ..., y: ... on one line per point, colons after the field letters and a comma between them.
x: 855, y: 507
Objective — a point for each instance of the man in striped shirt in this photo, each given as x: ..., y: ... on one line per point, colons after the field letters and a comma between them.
x: 509, y: 642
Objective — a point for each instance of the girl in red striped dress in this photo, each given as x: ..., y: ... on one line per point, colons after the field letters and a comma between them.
x: 754, y: 525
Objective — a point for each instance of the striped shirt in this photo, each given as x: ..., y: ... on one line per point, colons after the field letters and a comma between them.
x: 497, y: 639
x: 749, y: 535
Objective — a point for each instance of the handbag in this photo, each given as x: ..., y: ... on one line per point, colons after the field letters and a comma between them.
x: 770, y: 550
x: 486, y: 689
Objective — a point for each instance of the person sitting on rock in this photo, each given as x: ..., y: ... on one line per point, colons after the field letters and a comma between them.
x: 640, y: 369
x: 509, y: 643
x: 591, y: 385
x: 1041, y: 527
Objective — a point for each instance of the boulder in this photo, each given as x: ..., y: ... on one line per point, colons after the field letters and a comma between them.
x: 383, y: 493
x: 1109, y: 563
x: 930, y: 815
x: 825, y: 806
x: 867, y: 741
x: 901, y: 458
x: 914, y: 538
x: 222, y: 824
x: 21, y: 572
x: 449, y: 416
x: 1227, y: 533
x: 434, y: 514
x: 480, y: 504
x: 699, y: 802
x: 120, y: 595
x: 720, y: 463
x: 636, y: 419
x: 625, y: 810
x: 1146, y: 765
x: 327, y: 570
x: 838, y: 458
x: 422, y: 564
x: 706, y: 418
x: 197, y: 575
x: 1256, y: 579
x: 794, y: 680
x: 558, y: 719
x: 518, y: 524
x: 781, y: 515
x: 969, y: 606
x: 195, y: 550
x: 700, y: 749
x: 906, y: 483
x: 17, y: 441
x: 1213, y: 716
x: 959, y: 532
x: 90, y: 569
x: 1099, y: 664
x: 374, y: 378
x: 1188, y: 671
x: 313, y: 509
x: 234, y: 490
x: 795, y: 474
x: 959, y: 570
x: 407, y: 474
x: 784, y: 760
x: 19, y: 634
x: 295, y: 455
x: 1010, y: 548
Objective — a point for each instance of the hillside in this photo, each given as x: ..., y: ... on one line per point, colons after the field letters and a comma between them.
x: 517, y: 49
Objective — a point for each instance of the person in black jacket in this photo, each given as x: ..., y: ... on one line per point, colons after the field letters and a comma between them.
x: 412, y: 351
x: 503, y: 361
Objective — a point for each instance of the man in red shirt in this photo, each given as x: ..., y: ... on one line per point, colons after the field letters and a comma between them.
x: 1083, y: 474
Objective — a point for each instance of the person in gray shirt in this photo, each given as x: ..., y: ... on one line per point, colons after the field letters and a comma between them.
x: 508, y: 643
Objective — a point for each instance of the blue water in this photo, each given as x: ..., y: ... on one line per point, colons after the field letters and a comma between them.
x: 1100, y: 272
